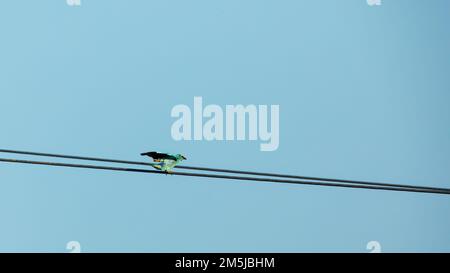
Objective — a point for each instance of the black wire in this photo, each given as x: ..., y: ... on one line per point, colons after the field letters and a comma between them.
x: 357, y: 182
x: 76, y: 157
x: 221, y: 176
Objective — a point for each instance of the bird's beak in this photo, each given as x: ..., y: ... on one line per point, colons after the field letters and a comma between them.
x: 184, y: 158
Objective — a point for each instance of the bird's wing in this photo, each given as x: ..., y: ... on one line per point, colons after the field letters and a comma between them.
x: 156, y: 155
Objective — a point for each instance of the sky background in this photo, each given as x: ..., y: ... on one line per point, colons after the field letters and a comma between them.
x: 363, y: 90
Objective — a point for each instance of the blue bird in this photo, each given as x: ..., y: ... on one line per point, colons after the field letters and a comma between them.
x: 165, y: 162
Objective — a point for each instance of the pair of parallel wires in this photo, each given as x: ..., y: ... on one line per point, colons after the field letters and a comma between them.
x: 227, y: 174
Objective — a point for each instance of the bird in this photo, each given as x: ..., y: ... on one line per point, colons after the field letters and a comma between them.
x: 163, y: 161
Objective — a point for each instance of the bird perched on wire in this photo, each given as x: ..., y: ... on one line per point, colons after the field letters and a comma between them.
x: 165, y: 162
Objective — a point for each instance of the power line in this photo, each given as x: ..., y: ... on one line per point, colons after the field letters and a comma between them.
x: 56, y: 164
x: 76, y: 157
x: 296, y: 177
x: 356, y: 182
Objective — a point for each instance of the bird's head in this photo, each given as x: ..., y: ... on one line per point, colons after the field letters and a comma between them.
x: 180, y: 157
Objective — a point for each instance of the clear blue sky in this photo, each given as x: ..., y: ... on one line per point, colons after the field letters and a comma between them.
x: 363, y: 94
